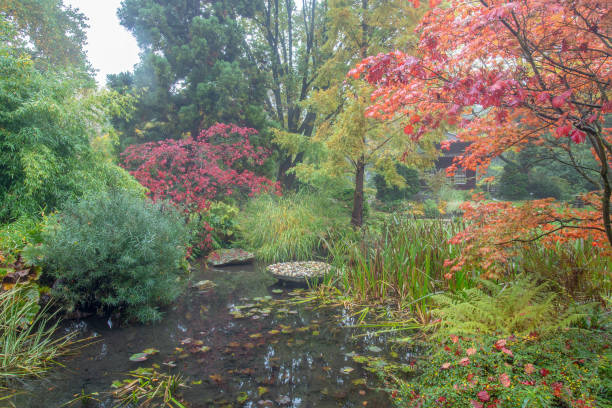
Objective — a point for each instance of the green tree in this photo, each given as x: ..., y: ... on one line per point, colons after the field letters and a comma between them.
x: 49, y: 122
x: 192, y: 72
x: 54, y: 33
x: 285, y: 42
x: 356, y: 29
x: 388, y: 192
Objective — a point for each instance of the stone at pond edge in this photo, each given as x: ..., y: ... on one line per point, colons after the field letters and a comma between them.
x: 232, y: 256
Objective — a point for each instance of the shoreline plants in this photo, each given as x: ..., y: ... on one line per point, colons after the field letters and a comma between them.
x: 115, y: 253
x: 289, y: 228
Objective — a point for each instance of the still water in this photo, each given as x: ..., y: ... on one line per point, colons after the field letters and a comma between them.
x: 292, y: 355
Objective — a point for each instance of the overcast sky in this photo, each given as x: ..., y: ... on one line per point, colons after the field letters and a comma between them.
x: 111, y: 48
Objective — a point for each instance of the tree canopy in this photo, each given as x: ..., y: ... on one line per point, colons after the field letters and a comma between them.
x: 510, y: 74
x: 192, y: 72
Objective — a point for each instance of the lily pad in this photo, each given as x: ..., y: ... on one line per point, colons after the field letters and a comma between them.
x: 139, y: 357
x: 374, y: 349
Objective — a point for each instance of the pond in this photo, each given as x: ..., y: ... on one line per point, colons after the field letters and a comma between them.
x: 251, y: 351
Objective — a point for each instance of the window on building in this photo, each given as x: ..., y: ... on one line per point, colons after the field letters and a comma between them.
x: 459, y: 178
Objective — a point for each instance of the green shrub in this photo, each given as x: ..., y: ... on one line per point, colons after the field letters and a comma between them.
x: 17, y: 235
x: 222, y: 218
x: 513, y: 183
x: 389, y: 193
x: 430, y: 209
x: 288, y: 228
x: 116, y: 252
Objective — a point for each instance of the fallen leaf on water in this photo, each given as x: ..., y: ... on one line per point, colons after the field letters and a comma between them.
x: 150, y: 351
x: 347, y: 370
x: 273, y: 332
x: 262, y: 390
x: 256, y: 336
x: 278, y: 291
x: 374, y: 349
x: 216, y: 378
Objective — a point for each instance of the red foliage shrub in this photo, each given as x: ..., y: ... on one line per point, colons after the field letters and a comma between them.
x: 193, y: 171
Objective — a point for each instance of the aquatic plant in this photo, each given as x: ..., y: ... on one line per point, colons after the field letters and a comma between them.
x: 577, y: 268
x: 289, y: 228
x: 115, y: 253
x: 148, y: 387
x: 27, y: 342
x: 402, y: 263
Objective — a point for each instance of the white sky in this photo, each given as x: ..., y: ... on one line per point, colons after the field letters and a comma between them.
x: 111, y: 48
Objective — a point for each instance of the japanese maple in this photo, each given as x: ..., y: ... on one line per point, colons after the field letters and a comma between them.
x: 507, y: 74
x: 193, y: 171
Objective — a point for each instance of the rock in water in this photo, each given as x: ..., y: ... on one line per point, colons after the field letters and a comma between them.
x: 232, y: 256
x: 300, y: 272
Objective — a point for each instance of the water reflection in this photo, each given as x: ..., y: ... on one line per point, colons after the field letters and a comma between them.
x: 248, y: 356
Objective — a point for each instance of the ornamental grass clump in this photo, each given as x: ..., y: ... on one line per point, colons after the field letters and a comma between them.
x: 116, y: 253
x: 289, y: 228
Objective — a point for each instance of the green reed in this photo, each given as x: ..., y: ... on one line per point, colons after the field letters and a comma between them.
x: 401, y: 263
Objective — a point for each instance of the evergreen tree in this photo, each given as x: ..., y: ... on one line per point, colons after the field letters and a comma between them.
x: 192, y: 72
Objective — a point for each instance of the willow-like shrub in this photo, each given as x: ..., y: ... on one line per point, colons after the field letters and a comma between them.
x: 116, y: 252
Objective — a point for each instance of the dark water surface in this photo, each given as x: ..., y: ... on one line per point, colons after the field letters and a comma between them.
x: 310, y: 367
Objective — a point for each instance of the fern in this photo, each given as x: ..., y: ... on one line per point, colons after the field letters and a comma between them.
x: 516, y: 308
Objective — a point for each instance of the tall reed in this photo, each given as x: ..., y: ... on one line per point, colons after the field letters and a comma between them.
x: 402, y: 263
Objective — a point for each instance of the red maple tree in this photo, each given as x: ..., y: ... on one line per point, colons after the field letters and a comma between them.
x: 193, y: 171
x: 507, y: 73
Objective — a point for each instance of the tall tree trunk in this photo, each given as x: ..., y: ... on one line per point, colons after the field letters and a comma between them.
x: 287, y: 180
x: 357, y: 216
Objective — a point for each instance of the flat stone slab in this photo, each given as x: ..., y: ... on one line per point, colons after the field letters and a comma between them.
x: 231, y: 256
x: 300, y: 272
